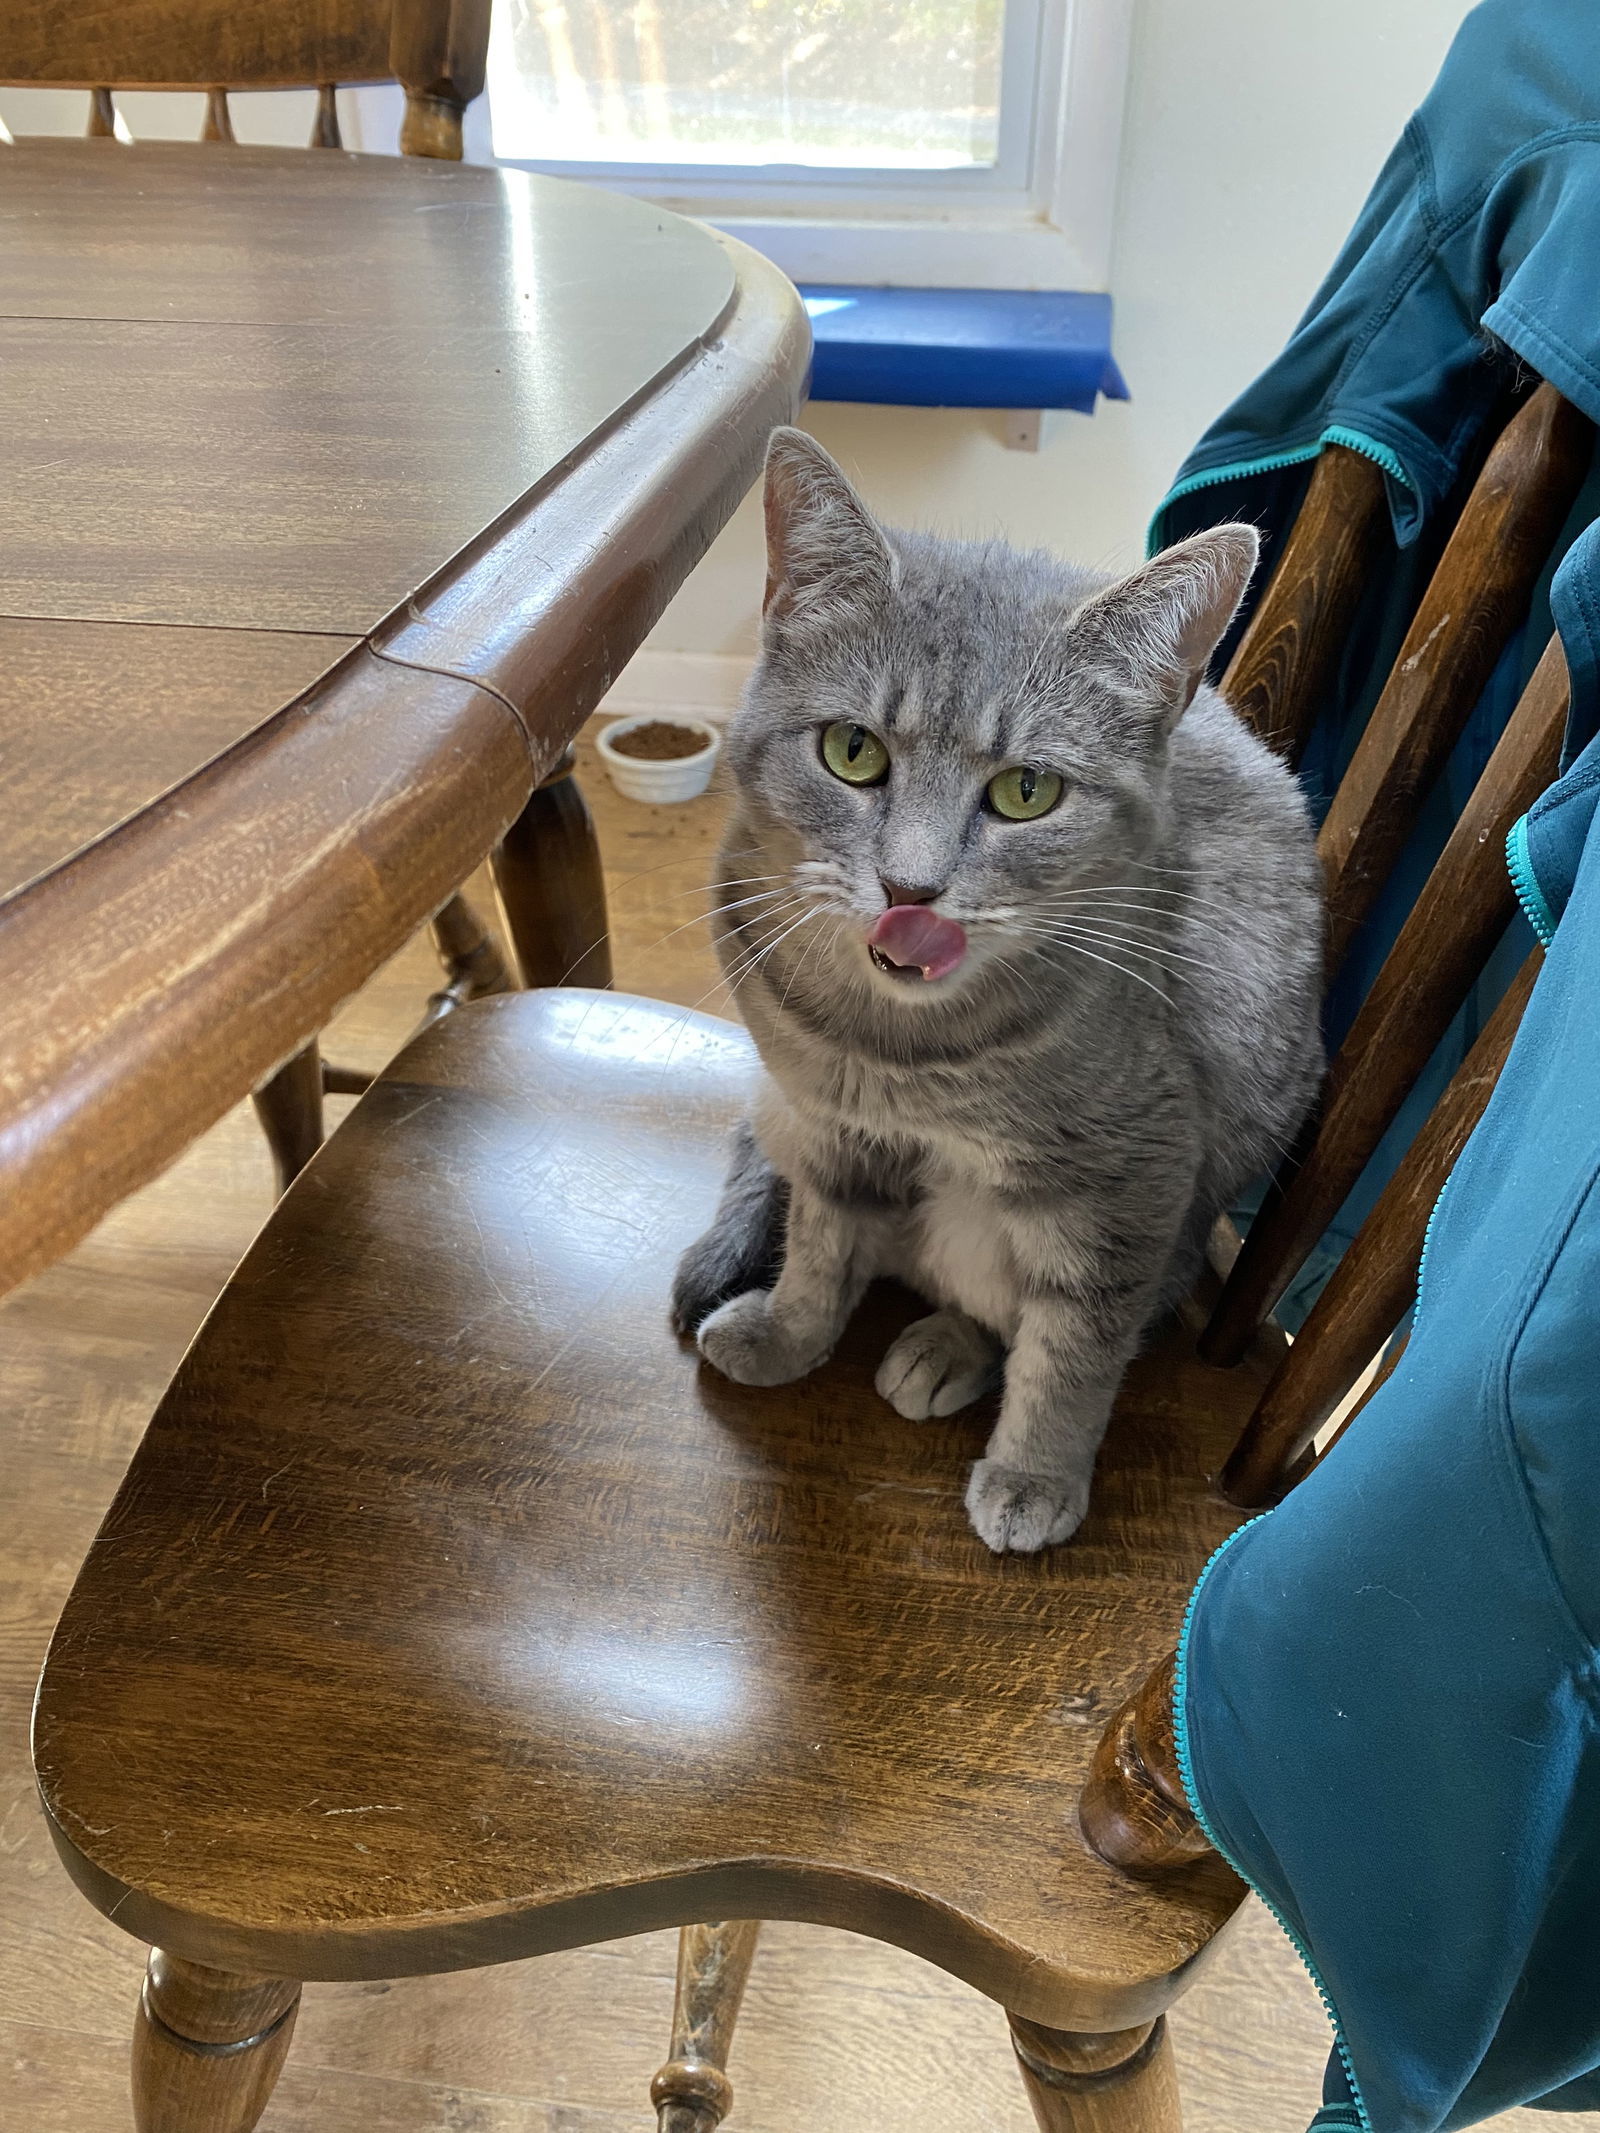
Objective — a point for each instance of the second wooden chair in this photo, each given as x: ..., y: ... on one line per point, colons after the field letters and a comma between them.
x: 547, y: 870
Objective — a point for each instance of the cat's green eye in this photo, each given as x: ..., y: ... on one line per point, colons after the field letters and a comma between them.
x: 854, y: 754
x: 1022, y: 794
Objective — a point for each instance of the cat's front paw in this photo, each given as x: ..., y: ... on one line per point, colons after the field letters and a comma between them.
x: 1018, y: 1513
x: 938, y: 1366
x: 745, y: 1340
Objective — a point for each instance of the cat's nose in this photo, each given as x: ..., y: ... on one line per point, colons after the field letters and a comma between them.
x: 904, y: 892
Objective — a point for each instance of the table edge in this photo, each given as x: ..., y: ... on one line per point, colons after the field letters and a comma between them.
x: 153, y: 976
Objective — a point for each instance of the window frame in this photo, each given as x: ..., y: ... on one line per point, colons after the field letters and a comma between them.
x: 1039, y: 218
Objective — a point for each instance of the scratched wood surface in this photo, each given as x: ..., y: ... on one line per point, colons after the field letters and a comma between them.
x: 491, y: 446
x: 442, y: 1510
x: 98, y: 721
x: 299, y: 384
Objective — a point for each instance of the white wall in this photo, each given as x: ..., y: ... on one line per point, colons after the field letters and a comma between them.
x: 274, y: 118
x: 1254, y: 128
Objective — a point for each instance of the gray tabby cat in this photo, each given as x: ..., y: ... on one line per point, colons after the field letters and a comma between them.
x: 1025, y: 925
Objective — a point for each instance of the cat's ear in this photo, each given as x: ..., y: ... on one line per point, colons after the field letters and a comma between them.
x: 824, y: 552
x: 1152, y: 636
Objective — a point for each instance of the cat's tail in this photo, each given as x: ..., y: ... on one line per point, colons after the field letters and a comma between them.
x: 743, y: 1248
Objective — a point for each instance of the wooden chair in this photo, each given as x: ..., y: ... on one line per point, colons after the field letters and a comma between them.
x: 1134, y: 1810
x: 437, y: 50
x: 450, y: 1613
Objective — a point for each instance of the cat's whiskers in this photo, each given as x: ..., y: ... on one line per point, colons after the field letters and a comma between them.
x: 1160, y: 924
x: 1156, y: 951
x: 735, y: 977
x: 824, y: 875
x: 1053, y: 629
x: 1040, y: 935
x: 1077, y: 948
x: 640, y: 874
x: 827, y: 882
x: 1092, y: 906
x: 1160, y: 888
x: 1094, y: 892
x: 683, y: 859
x: 752, y: 932
x: 778, y: 925
x: 702, y: 918
x: 1120, y: 936
x: 742, y: 928
x: 740, y: 903
x: 1044, y: 917
x: 1159, y: 919
x: 739, y: 881
x: 809, y: 951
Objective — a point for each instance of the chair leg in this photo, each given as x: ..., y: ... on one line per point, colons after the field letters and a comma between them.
x: 289, y: 1108
x: 547, y: 872
x: 473, y: 966
x: 1121, y: 2083
x: 207, y: 2047
x: 692, y: 2093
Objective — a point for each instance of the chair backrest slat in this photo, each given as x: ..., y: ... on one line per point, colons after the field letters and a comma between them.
x: 1390, y: 1361
x: 1462, y: 911
x: 437, y: 49
x: 219, y: 120
x: 196, y: 44
x: 1374, y: 1283
x: 1478, y: 596
x: 325, y: 133
x: 1286, y: 658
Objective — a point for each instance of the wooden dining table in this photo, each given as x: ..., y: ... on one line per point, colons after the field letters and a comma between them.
x: 335, y: 491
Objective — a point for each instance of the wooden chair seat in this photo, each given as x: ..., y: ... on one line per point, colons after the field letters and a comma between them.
x: 451, y: 1613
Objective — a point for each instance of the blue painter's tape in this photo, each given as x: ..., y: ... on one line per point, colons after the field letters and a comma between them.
x: 962, y: 347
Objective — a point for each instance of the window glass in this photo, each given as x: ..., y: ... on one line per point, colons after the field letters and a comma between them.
x: 875, y: 84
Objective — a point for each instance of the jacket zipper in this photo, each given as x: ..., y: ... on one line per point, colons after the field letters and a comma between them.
x: 1427, y: 1241
x: 1540, y: 917
x: 1529, y: 895
x: 1519, y: 865
x: 1272, y: 463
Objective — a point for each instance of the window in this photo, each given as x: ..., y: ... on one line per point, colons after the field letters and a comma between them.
x: 942, y: 143
x: 825, y: 84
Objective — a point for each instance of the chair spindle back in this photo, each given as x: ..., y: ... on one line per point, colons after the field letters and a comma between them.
x: 437, y: 50
x: 1477, y: 597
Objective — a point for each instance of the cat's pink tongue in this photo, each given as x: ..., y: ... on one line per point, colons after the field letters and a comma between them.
x: 913, y: 937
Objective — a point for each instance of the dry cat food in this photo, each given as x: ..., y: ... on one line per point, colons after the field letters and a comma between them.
x: 660, y: 741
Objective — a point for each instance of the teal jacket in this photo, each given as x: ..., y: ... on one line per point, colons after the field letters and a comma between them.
x: 1484, y: 223
x: 1388, y: 1703
x: 1479, y: 248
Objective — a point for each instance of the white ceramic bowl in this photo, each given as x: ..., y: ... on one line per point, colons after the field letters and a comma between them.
x: 681, y: 777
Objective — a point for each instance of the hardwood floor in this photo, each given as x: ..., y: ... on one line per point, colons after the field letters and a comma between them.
x: 839, y: 2035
